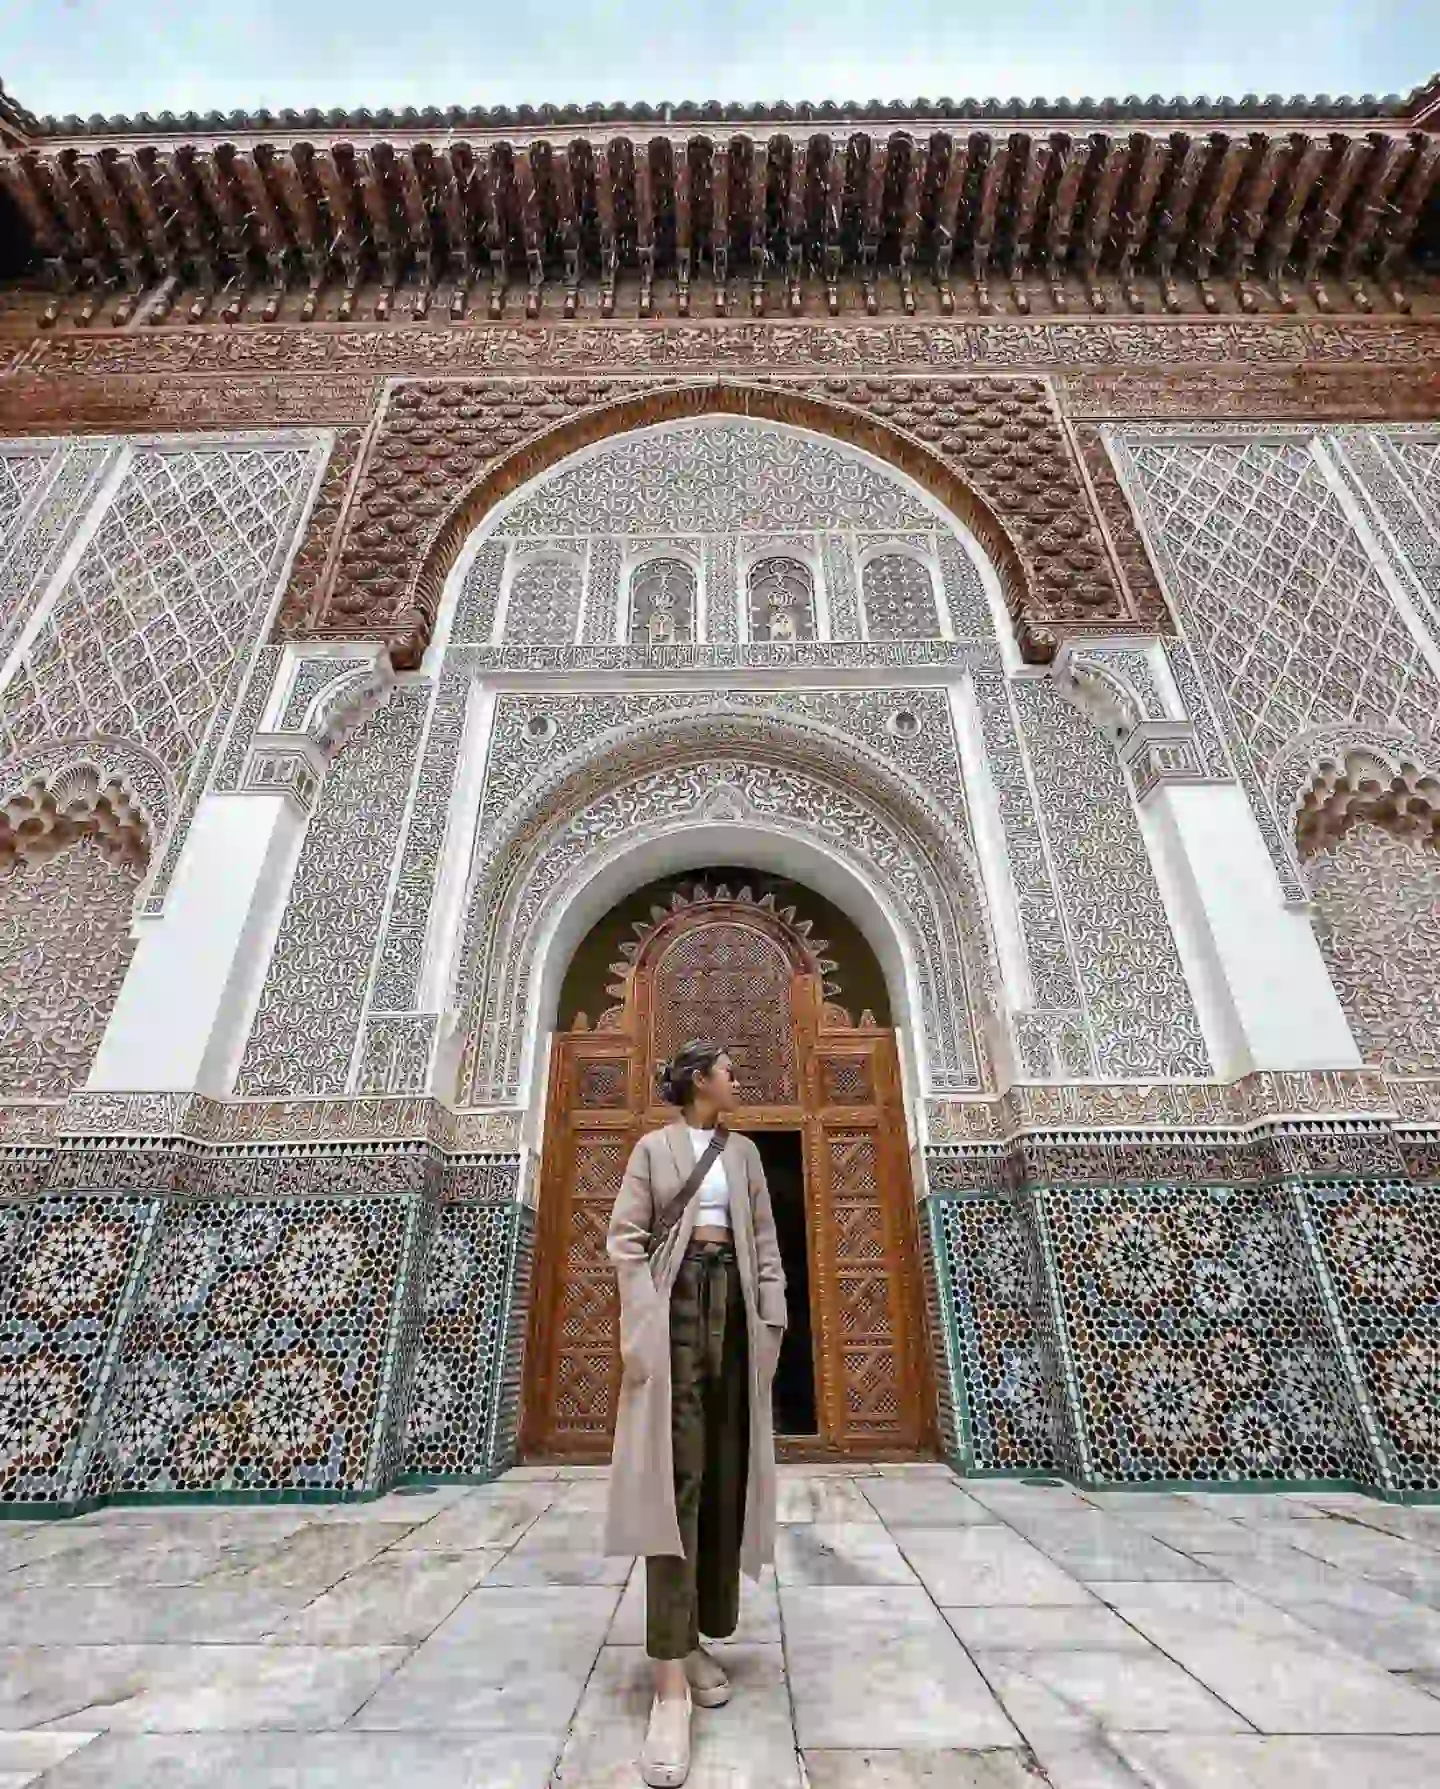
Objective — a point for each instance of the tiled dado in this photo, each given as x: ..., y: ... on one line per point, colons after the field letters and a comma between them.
x: 179, y: 1320
x: 1193, y: 1309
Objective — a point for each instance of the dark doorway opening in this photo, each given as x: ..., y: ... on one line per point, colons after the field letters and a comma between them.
x: 793, y: 1398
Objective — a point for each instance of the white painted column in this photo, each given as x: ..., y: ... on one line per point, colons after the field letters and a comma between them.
x: 185, y: 1005
x: 1264, y: 997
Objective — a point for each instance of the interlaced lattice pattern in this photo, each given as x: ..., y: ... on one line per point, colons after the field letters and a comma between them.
x: 1377, y: 901
x: 1421, y: 460
x: 899, y: 599
x: 730, y: 981
x: 142, y: 638
x: 19, y: 475
x: 65, y: 945
x: 544, y: 608
x: 1279, y: 592
x: 782, y: 600
x: 662, y: 603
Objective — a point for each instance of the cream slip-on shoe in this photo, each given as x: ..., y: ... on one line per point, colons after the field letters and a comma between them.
x: 708, y: 1683
x: 665, y: 1755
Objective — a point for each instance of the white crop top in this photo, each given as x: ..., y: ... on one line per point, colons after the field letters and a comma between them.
x: 712, y: 1202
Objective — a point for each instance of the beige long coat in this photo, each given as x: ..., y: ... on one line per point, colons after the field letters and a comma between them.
x: 641, y: 1512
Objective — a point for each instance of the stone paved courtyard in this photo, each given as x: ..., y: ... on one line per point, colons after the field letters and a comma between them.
x: 917, y: 1630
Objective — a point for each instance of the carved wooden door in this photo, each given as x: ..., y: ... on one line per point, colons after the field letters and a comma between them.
x: 874, y: 1385
x: 573, y: 1358
x: 746, y: 976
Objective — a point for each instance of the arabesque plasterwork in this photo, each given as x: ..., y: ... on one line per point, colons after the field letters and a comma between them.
x: 771, y: 759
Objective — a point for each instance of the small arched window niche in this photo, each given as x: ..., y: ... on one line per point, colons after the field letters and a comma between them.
x: 662, y: 603
x: 898, y: 590
x: 781, y: 600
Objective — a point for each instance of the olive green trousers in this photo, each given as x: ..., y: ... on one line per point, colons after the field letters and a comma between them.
x: 710, y: 1439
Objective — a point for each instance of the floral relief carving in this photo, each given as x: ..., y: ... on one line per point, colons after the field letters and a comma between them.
x: 1377, y: 919
x: 308, y: 1020
x: 1138, y: 1009
x: 65, y: 945
x: 992, y: 450
x: 544, y: 601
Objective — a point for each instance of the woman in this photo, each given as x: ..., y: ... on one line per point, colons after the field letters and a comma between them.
x: 702, y: 1313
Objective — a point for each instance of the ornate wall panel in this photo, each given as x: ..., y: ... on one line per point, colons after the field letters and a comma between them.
x: 1199, y: 1335
x: 993, y: 451
x: 256, y: 1354
x: 899, y: 597
x: 397, y: 975
x: 142, y: 639
x: 1377, y: 1241
x: 65, y: 945
x: 1377, y: 919
x: 720, y: 476
x: 662, y: 602
x: 1278, y: 591
x: 544, y: 601
x: 44, y: 492
x: 305, y: 1029
x: 469, y: 1287
x: 21, y: 474
x: 479, y: 599
x: 781, y: 598
x: 592, y: 777
x: 1010, y: 1404
x: 1138, y: 1010
x: 67, y: 1272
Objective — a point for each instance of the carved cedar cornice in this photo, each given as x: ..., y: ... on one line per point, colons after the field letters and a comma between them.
x: 1096, y: 208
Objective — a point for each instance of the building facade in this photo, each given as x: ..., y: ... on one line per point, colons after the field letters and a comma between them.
x: 946, y: 599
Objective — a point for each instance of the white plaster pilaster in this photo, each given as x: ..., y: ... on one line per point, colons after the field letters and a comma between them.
x: 1261, y: 989
x: 179, y: 1023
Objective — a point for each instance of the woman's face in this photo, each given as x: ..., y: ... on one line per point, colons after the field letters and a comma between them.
x: 717, y: 1088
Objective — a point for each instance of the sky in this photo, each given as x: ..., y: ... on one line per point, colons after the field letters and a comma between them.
x: 84, y: 56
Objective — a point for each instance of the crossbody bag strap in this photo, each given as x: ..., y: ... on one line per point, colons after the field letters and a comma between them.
x: 671, y: 1213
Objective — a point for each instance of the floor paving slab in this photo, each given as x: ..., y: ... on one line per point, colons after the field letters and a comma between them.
x: 1281, y: 1675
x: 1031, y: 1627
x: 398, y: 1599
x: 920, y: 1770
x: 748, y: 1744
x: 1050, y: 1691
x: 116, y: 1615
x: 507, y: 1660
x: 310, y: 1761
x: 25, y: 1757
x: 496, y: 1516
x: 458, y: 1636
x: 969, y: 1566
x: 878, y: 1667
x: 1169, y: 1762
x: 826, y: 1500
x: 839, y: 1553
x: 181, y: 1689
x: 928, y: 1502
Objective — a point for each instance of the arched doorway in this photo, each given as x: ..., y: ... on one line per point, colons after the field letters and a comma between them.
x: 728, y: 958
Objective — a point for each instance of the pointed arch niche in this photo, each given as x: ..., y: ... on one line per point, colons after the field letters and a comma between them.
x: 718, y: 526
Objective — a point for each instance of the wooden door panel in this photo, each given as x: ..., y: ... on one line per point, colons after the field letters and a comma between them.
x: 838, y: 1085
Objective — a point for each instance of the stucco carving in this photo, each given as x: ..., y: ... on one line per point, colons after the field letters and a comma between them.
x: 691, y: 756
x: 1377, y: 918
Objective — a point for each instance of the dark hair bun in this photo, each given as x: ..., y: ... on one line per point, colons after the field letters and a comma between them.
x: 677, y: 1077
